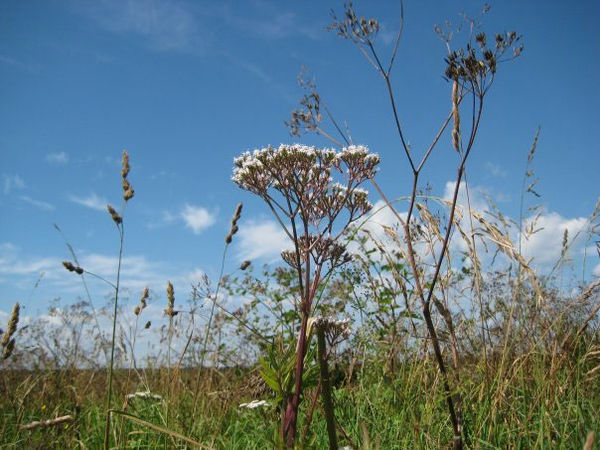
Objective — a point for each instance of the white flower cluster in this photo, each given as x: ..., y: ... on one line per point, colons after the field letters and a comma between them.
x: 333, y: 327
x: 285, y: 166
x: 254, y: 404
x: 144, y: 395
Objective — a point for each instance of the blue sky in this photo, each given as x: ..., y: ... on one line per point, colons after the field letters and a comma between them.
x: 187, y: 86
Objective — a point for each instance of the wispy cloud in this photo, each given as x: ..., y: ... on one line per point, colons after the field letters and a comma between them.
x: 44, y: 206
x: 495, y: 170
x: 197, y: 218
x: 261, y: 239
x: 92, y: 201
x: 4, y: 59
x: 11, y: 183
x: 268, y: 22
x: 164, y: 25
x: 57, y: 158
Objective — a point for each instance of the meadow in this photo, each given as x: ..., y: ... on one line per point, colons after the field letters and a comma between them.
x: 432, y: 331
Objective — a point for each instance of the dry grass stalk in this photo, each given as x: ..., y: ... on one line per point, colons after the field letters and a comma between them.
x: 165, y: 431
x: 7, y: 339
x: 47, y: 423
x: 455, y: 116
x: 589, y: 442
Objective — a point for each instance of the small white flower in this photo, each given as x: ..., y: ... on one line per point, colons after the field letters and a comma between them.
x: 254, y: 404
x: 145, y: 395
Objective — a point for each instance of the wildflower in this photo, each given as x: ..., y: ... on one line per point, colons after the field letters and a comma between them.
x: 254, y: 404
x: 147, y: 395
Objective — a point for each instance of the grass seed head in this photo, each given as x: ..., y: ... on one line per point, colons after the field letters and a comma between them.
x: 125, y: 165
x: 115, y: 216
x: 73, y: 268
x: 8, y: 349
x: 7, y: 342
x: 170, y: 300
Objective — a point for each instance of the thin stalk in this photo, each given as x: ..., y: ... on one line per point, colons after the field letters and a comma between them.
x: 326, y: 391
x: 112, y: 346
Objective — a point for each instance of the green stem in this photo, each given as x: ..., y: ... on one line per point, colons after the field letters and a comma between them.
x: 326, y: 391
x: 112, y: 346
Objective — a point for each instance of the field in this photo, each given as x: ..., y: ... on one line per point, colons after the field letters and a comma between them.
x: 433, y: 328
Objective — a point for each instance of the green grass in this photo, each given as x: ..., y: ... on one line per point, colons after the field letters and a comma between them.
x: 401, y: 410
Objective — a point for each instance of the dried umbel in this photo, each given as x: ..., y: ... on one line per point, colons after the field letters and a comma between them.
x: 357, y: 29
x: 309, y: 116
x: 472, y: 66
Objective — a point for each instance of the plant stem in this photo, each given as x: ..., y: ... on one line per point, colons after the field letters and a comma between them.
x: 326, y: 389
x: 112, y: 346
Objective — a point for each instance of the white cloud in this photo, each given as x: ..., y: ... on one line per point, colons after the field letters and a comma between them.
x: 261, y: 239
x: 197, y: 218
x: 545, y: 246
x: 92, y: 201
x: 57, y: 158
x: 475, y: 198
x: 596, y: 271
x: 44, y: 206
x: 11, y: 183
x: 165, y: 25
x: 11, y: 265
x: 194, y: 276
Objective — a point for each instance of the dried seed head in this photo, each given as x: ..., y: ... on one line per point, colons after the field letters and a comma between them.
x: 12, y: 325
x: 455, y: 116
x: 72, y: 268
x: 144, y: 297
x: 115, y: 216
x: 125, y: 163
x: 128, y: 194
x: 234, y: 228
x: 127, y: 190
x: 147, y: 325
x: 8, y: 349
x: 137, y: 310
x: 170, y: 300
x: 237, y: 214
x: 245, y: 265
